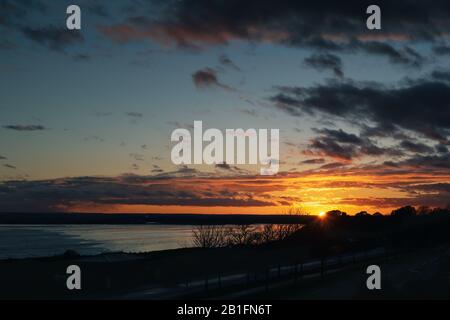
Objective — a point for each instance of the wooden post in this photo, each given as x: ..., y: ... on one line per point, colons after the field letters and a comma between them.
x: 322, y: 267
x: 301, y: 270
x: 108, y: 282
x: 296, y: 273
x: 247, y: 282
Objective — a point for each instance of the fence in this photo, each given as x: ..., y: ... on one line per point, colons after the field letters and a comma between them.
x: 269, y: 275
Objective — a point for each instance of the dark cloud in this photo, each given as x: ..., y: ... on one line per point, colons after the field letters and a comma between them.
x: 9, y: 166
x: 429, y: 161
x: 134, y: 114
x: 383, y: 130
x: 313, y: 161
x: 416, y: 147
x: 441, y: 148
x: 20, y: 17
x: 135, y: 117
x: 103, y: 114
x: 250, y: 112
x: 18, y: 127
x: 2, y: 157
x: 225, y: 166
x: 328, y: 147
x: 325, y: 61
x: 422, y: 107
x: 12, y: 12
x: 207, y: 78
x: 331, y: 166
x: 137, y: 156
x: 61, y: 194
x: 382, y: 203
x: 290, y: 144
x: 93, y: 138
x: 442, y: 50
x: 323, y: 25
x: 55, y: 38
x: 82, y: 57
x: 430, y: 194
x: 423, y: 163
x: 405, y: 56
x: 345, y: 146
x: 227, y: 62
x: 434, y: 187
x: 440, y: 75
x: 177, y: 124
x: 340, y: 135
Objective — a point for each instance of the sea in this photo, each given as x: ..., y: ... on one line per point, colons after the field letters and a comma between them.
x: 23, y: 241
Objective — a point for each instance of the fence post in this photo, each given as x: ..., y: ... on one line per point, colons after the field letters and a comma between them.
x: 301, y: 270
x: 296, y: 273
x: 247, y: 282
x: 322, y: 267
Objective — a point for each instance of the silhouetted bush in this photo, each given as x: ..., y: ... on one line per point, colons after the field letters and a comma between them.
x: 242, y: 235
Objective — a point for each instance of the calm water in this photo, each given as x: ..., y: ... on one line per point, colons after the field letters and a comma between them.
x: 45, y: 240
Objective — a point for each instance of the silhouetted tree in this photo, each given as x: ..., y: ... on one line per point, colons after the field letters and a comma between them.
x: 209, y: 236
x: 404, y: 212
x: 362, y: 214
x: 336, y: 214
x: 241, y: 235
x: 423, y: 210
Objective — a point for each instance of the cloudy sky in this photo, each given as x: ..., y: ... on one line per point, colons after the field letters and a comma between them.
x: 86, y: 116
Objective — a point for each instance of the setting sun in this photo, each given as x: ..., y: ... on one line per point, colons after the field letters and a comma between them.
x: 321, y: 214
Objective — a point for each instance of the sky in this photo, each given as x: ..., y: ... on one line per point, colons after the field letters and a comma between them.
x: 86, y: 115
